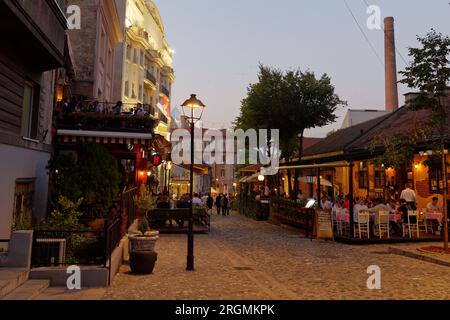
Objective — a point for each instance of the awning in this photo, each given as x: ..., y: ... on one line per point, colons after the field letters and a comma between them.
x: 104, y: 137
x: 342, y: 164
x: 252, y: 178
x: 323, y: 182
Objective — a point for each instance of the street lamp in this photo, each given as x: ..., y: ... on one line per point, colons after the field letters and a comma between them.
x: 193, y: 111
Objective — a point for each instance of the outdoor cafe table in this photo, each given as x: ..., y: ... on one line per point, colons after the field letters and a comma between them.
x: 345, y: 217
x: 434, y: 216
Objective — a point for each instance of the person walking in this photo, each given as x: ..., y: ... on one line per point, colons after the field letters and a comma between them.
x: 209, y: 203
x: 225, y: 210
x: 218, y: 203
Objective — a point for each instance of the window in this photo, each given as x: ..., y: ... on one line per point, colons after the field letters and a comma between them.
x: 30, y: 111
x: 127, y: 89
x: 134, y: 55
x: 222, y: 173
x: 129, y: 48
x: 436, y: 180
x: 380, y: 177
x: 141, y: 57
x: 133, y: 92
x: 363, y: 175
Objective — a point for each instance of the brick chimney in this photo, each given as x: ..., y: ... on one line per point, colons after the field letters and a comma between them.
x: 390, y: 65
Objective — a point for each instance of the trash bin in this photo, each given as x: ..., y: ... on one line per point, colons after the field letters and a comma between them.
x: 263, y: 210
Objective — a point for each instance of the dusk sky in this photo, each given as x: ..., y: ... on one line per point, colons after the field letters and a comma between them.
x: 219, y: 44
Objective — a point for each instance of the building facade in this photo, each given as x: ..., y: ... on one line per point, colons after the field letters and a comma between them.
x: 94, y: 48
x: 144, y: 62
x: 27, y: 97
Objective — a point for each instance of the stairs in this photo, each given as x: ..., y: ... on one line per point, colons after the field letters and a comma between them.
x: 29, y: 290
x: 10, y: 279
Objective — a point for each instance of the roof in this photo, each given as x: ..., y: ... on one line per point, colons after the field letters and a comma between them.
x: 309, y: 142
x: 342, y: 138
x: 403, y: 120
x: 357, y: 116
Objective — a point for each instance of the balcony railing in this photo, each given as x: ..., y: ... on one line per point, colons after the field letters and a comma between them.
x: 107, y: 122
x: 165, y: 91
x: 149, y: 76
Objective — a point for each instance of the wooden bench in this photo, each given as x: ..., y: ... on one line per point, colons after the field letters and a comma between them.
x: 158, y: 218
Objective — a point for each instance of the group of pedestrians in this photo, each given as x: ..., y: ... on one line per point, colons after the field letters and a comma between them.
x: 222, y: 204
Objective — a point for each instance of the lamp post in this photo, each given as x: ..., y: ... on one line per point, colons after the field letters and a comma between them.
x: 192, y: 110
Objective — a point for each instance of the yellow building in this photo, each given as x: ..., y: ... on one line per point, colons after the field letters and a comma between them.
x: 145, y: 63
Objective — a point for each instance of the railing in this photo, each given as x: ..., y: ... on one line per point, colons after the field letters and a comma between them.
x: 59, y: 247
x: 165, y: 91
x: 128, y: 206
x: 149, y: 76
x: 106, y: 122
x: 80, y: 247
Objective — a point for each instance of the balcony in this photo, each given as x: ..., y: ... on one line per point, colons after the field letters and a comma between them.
x: 91, y: 121
x: 151, y: 78
x: 165, y: 91
x: 139, y: 34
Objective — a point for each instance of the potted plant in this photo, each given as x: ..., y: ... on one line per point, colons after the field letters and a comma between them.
x: 142, y: 249
x: 144, y: 239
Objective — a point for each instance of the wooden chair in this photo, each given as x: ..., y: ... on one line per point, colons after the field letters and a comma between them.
x: 363, y: 225
x: 382, y: 224
x: 411, y: 226
x: 423, y: 223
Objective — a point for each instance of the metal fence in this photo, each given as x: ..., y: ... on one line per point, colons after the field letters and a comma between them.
x: 128, y: 206
x: 75, y: 247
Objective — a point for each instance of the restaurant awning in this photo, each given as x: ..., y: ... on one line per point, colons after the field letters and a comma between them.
x: 323, y: 182
x: 104, y: 137
x: 341, y: 164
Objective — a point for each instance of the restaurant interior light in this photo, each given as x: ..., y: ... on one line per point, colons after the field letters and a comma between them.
x: 261, y: 178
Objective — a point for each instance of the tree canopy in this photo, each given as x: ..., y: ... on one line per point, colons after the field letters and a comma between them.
x: 292, y: 102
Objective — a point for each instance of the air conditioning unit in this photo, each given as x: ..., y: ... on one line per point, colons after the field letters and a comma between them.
x: 52, y: 250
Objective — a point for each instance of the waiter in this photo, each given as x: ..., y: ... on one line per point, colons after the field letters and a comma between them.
x: 409, y: 196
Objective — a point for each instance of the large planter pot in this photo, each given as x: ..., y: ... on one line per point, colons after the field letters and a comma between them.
x: 147, y: 242
x: 142, y: 262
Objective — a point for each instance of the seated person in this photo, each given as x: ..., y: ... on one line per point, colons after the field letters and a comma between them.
x: 196, y: 200
x: 184, y: 202
x: 163, y: 202
x: 434, y: 205
x: 360, y: 206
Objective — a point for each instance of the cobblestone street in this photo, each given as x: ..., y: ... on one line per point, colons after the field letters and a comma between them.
x: 246, y: 259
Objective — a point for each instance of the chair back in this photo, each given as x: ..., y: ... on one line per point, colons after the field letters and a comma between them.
x: 413, y: 214
x: 363, y: 216
x: 383, y: 217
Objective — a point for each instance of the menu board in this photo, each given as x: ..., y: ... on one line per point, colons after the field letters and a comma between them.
x: 323, y: 225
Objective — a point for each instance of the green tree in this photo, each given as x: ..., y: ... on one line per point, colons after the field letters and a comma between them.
x: 292, y: 102
x: 94, y: 176
x: 429, y: 72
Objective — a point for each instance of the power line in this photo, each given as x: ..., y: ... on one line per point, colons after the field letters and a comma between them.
x: 396, y: 50
x: 363, y: 33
